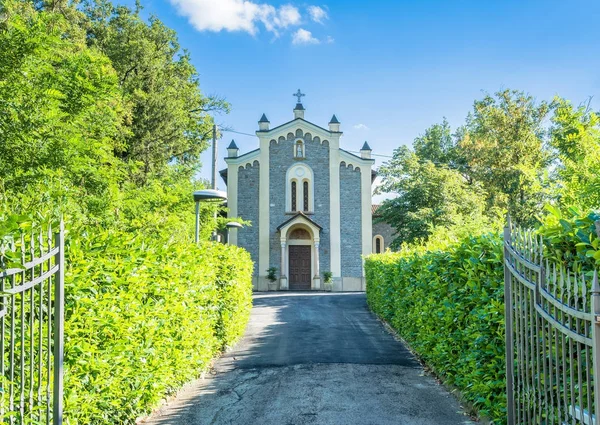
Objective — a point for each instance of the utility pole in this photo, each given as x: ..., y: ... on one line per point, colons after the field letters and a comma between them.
x: 214, y: 173
x: 214, y: 157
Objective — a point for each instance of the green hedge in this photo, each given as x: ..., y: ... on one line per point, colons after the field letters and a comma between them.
x: 143, y: 317
x: 448, y: 304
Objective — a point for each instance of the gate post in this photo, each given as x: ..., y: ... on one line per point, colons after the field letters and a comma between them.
x: 596, y: 345
x: 510, y: 401
x: 59, y: 295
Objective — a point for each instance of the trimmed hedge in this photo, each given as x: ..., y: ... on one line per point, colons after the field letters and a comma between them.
x: 448, y: 304
x: 143, y: 317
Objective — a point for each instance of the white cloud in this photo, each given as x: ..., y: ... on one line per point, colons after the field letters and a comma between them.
x: 317, y: 14
x: 289, y: 15
x: 303, y: 36
x: 361, y: 127
x: 329, y: 40
x: 237, y: 15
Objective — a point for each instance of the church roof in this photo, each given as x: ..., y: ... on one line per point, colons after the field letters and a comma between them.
x: 264, y: 118
x: 366, y: 147
x: 223, y: 174
x: 299, y: 119
x: 232, y: 145
x: 300, y: 214
x: 299, y: 107
x: 334, y: 120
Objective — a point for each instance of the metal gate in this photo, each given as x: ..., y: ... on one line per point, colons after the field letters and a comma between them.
x: 552, y: 337
x: 31, y: 327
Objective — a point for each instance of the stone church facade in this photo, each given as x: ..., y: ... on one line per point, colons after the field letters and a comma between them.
x: 309, y: 202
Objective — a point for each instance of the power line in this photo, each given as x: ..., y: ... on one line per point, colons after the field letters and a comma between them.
x: 374, y: 154
x: 225, y: 130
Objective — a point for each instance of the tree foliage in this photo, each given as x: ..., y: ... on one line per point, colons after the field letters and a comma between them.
x: 428, y: 196
x: 576, y: 138
x: 102, y: 123
x: 513, y: 154
x: 503, y: 148
x: 168, y: 119
x: 62, y: 109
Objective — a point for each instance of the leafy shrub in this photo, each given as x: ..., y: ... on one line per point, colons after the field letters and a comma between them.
x: 571, y: 238
x: 447, y: 302
x: 142, y: 316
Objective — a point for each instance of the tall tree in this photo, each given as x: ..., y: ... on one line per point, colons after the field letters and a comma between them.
x: 428, y: 196
x: 169, y: 122
x: 576, y: 138
x: 62, y: 109
x: 503, y: 146
x: 437, y: 145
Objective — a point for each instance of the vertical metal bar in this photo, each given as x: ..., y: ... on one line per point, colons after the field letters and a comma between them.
x: 214, y: 158
x: 11, y: 399
x: 4, y: 307
x: 538, y: 332
x: 49, y: 350
x: 596, y: 345
x: 576, y: 304
x: 518, y: 332
x: 508, y: 312
x: 31, y: 360
x: 59, y: 328
x: 22, y: 348
x: 536, y: 340
x: 197, y: 234
x: 531, y: 353
x: 545, y: 368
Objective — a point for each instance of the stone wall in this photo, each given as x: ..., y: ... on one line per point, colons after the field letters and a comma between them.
x: 384, y: 230
x: 248, y: 186
x: 281, y: 157
x: 350, y: 218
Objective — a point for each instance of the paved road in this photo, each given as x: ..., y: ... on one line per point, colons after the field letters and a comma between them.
x: 314, y: 358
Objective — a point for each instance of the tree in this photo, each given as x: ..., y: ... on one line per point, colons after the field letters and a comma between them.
x: 62, y: 111
x: 575, y: 135
x: 438, y: 145
x: 428, y: 196
x: 169, y: 121
x: 503, y: 147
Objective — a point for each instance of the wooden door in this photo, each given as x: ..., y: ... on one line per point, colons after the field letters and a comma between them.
x: 299, y: 262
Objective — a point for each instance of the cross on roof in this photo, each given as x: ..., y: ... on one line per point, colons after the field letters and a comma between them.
x: 299, y: 95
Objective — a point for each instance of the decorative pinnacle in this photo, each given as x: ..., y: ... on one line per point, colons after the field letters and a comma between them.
x: 299, y: 95
x: 232, y: 145
x: 334, y: 120
x: 264, y: 118
x: 366, y: 147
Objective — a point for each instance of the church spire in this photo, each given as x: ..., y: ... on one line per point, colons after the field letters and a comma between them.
x: 299, y: 109
x: 365, y: 151
x: 263, y: 123
x: 334, y: 124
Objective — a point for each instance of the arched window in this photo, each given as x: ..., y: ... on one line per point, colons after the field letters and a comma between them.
x: 300, y: 189
x: 378, y: 245
x: 299, y: 149
x: 305, y: 195
x: 294, y: 195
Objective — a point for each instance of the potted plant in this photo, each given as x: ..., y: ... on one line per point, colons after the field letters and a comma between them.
x: 328, y: 281
x: 272, y: 276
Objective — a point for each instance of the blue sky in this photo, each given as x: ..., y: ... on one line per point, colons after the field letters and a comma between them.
x: 387, y: 69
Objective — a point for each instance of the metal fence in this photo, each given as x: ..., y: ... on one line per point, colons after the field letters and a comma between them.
x: 31, y: 327
x: 552, y: 337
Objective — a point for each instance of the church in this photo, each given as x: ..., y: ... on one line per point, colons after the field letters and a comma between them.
x: 309, y: 202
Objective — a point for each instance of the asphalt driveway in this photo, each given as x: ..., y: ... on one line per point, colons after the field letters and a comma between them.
x: 314, y: 358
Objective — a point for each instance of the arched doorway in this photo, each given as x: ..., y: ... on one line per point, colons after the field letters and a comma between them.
x: 300, y: 243
x: 300, y: 238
